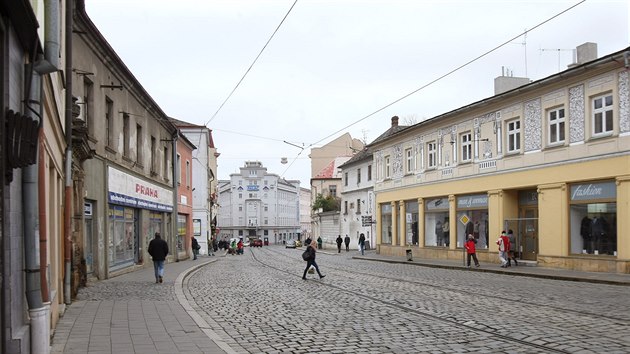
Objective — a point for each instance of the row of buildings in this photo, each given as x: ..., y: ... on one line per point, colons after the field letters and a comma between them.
x: 92, y: 168
x: 549, y: 159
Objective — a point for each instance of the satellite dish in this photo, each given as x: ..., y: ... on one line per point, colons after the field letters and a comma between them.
x: 283, y: 160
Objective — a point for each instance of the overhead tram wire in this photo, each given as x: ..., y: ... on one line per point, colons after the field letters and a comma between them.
x: 252, y: 65
x: 448, y: 73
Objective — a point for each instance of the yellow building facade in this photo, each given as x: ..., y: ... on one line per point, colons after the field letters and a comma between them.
x: 549, y: 160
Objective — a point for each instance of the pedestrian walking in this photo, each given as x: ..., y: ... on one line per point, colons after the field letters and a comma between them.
x: 504, y: 247
x: 309, y: 257
x: 362, y: 244
x: 158, y: 249
x: 346, y: 240
x: 511, y: 252
x: 195, y: 247
x: 339, y: 242
x: 471, y: 251
x: 319, y: 242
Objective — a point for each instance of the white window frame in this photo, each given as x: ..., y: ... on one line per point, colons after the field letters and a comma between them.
x: 409, y: 160
x: 387, y: 167
x: 513, y: 136
x: 556, y: 120
x: 601, y: 113
x: 432, y: 154
x: 466, y: 145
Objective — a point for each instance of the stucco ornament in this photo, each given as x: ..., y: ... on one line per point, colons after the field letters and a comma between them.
x: 576, y: 113
x: 397, y: 161
x: 624, y: 103
x: 533, y: 125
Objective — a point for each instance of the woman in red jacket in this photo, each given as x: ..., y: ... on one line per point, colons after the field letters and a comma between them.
x: 470, y: 250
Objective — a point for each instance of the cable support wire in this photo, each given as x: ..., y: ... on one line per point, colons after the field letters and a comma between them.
x: 449, y: 73
x: 252, y: 65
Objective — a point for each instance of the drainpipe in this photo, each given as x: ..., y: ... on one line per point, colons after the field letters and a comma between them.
x: 43, y: 232
x: 67, y: 210
x: 38, y: 313
x: 175, y: 194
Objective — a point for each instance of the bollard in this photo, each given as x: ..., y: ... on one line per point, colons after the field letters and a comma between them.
x: 409, y: 256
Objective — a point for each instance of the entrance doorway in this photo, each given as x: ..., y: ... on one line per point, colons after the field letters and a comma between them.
x: 525, y: 233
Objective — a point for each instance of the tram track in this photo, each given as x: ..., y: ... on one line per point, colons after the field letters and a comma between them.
x: 466, y: 325
x: 621, y: 321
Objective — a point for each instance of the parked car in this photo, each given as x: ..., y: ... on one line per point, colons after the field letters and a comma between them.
x: 290, y: 244
x: 257, y: 243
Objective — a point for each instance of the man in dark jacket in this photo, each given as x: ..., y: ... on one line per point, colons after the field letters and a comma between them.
x: 347, y: 242
x: 195, y: 248
x: 158, y: 249
x: 339, y: 242
x: 362, y: 244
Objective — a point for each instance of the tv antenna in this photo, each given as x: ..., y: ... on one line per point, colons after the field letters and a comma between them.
x: 557, y: 50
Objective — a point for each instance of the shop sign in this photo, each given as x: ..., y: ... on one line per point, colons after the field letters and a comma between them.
x: 252, y: 187
x: 528, y: 197
x: 125, y: 189
x: 87, y: 209
x: 592, y: 191
x: 436, y: 204
x: 472, y: 201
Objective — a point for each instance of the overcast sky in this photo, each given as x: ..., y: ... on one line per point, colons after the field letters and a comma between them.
x: 333, y: 63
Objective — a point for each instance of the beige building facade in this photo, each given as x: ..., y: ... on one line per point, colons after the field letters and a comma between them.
x: 549, y: 160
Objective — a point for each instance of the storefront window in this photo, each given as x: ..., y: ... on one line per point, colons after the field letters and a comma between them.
x: 181, y: 232
x: 122, y: 235
x: 386, y: 223
x: 593, y: 218
x: 472, y: 218
x: 436, y: 222
x: 411, y: 209
x: 155, y: 225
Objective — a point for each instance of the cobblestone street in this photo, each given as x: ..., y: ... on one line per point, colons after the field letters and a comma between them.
x: 258, y: 303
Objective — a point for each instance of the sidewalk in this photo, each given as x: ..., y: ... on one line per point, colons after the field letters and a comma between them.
x: 525, y: 271
x: 132, y: 314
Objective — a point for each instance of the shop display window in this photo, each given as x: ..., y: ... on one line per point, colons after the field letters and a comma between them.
x: 594, y: 228
x: 386, y: 223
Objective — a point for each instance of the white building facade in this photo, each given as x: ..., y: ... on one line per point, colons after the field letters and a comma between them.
x: 254, y: 204
x: 305, y: 213
x: 357, y: 199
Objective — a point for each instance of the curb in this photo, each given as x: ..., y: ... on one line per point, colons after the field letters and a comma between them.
x: 496, y: 271
x: 201, y: 323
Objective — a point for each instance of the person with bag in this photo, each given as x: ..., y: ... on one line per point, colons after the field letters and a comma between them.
x: 309, y: 257
x: 362, y: 244
x: 195, y: 248
x: 339, y: 242
x: 504, y: 247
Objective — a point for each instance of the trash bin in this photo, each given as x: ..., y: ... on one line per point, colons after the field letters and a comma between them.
x: 367, y: 245
x: 409, y: 256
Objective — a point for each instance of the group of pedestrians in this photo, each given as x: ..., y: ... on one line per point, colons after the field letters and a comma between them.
x: 506, y: 252
x: 346, y: 241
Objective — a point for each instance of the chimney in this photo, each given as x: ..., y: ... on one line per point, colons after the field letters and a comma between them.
x: 584, y: 53
x: 394, y: 121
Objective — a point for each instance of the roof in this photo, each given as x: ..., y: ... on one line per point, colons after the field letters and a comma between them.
x: 330, y: 171
x: 365, y: 154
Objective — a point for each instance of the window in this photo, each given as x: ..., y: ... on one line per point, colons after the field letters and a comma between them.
x: 345, y: 179
x: 109, y: 121
x: 358, y: 176
x: 139, y: 144
x: 240, y: 196
x: 466, y: 146
x: 166, y: 163
x: 88, y: 104
x: 556, y: 126
x: 179, y: 170
x: 387, y: 167
x: 345, y: 207
x: 432, y: 154
x: 514, y: 136
x: 409, y: 160
x: 369, y: 173
x: 188, y: 179
x: 266, y: 221
x: 266, y: 207
x: 358, y: 206
x: 153, y: 147
x: 602, y: 115
x: 240, y: 207
x: 333, y: 190
x: 126, y: 134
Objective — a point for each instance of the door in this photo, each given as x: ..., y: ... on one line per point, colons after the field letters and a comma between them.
x: 528, y: 233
